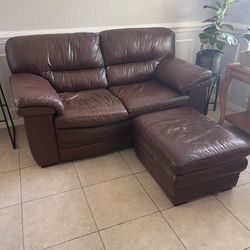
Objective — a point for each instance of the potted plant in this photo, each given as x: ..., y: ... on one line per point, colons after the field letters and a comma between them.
x: 215, y: 36
x: 245, y: 54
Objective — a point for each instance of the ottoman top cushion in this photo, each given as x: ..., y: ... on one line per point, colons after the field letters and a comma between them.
x: 188, y: 140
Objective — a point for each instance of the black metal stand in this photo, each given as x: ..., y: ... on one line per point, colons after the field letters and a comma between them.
x: 211, y: 59
x: 215, y: 85
x: 6, y: 115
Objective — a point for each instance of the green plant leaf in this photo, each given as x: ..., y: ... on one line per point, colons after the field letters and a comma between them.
x: 229, y: 38
x: 213, y: 31
x: 210, y: 30
x: 220, y: 44
x: 247, y: 36
x: 203, y: 36
x: 207, y: 25
x: 210, y: 7
x: 210, y: 20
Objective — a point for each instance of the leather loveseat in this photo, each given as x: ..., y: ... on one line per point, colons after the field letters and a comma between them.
x: 78, y: 93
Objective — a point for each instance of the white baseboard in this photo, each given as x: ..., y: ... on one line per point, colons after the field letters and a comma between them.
x: 17, y: 122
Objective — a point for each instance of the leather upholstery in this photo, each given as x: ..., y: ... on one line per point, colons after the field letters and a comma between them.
x: 68, y: 138
x: 182, y: 76
x: 198, y: 99
x: 84, y: 79
x: 42, y: 139
x: 179, y: 182
x: 187, y: 154
x: 203, y: 143
x: 145, y: 97
x: 34, y: 91
x: 78, y: 143
x: 122, y: 74
x: 91, y: 150
x: 91, y: 108
x: 59, y: 56
x: 132, y: 54
x: 35, y: 111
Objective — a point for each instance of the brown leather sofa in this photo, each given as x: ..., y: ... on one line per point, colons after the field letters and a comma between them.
x: 78, y: 93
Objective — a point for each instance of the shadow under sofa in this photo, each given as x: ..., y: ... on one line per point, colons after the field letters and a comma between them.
x: 79, y: 93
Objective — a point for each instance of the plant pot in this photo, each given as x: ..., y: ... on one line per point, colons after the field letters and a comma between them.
x: 245, y: 59
x: 210, y: 59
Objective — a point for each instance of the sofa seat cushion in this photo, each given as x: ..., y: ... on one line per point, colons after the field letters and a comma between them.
x: 92, y: 108
x: 146, y: 97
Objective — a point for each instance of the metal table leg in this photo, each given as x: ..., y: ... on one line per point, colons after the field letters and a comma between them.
x: 216, y: 86
x: 10, y: 127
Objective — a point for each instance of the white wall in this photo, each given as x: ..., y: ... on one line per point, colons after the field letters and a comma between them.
x: 240, y: 12
x: 51, y: 14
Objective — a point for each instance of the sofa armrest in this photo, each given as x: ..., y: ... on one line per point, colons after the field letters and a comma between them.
x: 182, y: 76
x: 34, y: 92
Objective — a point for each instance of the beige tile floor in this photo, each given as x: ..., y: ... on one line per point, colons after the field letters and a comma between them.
x: 110, y: 202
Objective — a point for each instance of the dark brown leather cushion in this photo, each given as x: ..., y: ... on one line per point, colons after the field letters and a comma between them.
x: 71, y: 62
x: 122, y: 74
x: 186, y: 141
x: 134, y: 45
x: 90, y: 108
x: 133, y: 54
x: 84, y: 79
x: 145, y: 97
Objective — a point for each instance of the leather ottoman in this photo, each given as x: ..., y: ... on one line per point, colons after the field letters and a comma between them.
x: 187, y: 154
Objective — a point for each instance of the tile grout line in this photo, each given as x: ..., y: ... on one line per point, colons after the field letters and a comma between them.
x: 85, y: 196
x: 11, y: 170
x: 121, y: 223
x: 50, y: 195
x: 129, y: 166
x: 232, y: 213
x: 99, y: 230
x: 156, y: 205
x: 120, y: 177
x: 130, y: 220
x: 241, y: 185
x: 127, y: 162
x: 13, y: 205
x: 80, y: 187
x: 134, y: 174
x: 21, y: 193
x: 66, y: 241
x: 173, y: 230
x: 147, y: 193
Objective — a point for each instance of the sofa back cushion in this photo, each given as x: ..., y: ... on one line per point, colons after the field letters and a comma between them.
x: 71, y: 62
x: 131, y: 55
